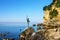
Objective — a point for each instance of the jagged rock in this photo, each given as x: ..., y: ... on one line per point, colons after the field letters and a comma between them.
x: 52, y: 34
x: 38, y: 36
x: 26, y: 34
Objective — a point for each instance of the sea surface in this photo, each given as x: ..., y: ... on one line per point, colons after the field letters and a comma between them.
x: 13, y: 30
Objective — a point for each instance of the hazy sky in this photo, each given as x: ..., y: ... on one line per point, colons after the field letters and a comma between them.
x: 17, y: 10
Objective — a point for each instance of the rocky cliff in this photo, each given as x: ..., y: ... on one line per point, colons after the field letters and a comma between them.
x: 52, y: 11
x: 52, y: 30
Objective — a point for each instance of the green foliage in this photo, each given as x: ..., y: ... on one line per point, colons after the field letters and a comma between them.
x: 53, y: 13
x: 47, y: 7
x: 53, y: 2
x: 58, y: 3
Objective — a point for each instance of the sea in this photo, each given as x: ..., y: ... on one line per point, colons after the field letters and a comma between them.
x: 13, y: 29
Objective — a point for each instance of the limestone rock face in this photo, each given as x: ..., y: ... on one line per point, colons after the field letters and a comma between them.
x: 53, y: 34
x: 47, y: 9
x: 49, y: 34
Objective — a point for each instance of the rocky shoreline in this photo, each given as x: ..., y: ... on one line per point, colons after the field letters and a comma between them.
x: 51, y: 24
x: 45, y: 34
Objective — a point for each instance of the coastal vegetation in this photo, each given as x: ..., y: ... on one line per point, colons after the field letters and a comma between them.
x: 53, y: 13
x: 47, y: 7
x: 58, y: 3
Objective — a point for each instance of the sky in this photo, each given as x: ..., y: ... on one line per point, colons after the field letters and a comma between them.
x: 17, y: 10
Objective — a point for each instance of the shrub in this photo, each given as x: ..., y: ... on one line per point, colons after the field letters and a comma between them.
x: 53, y: 13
